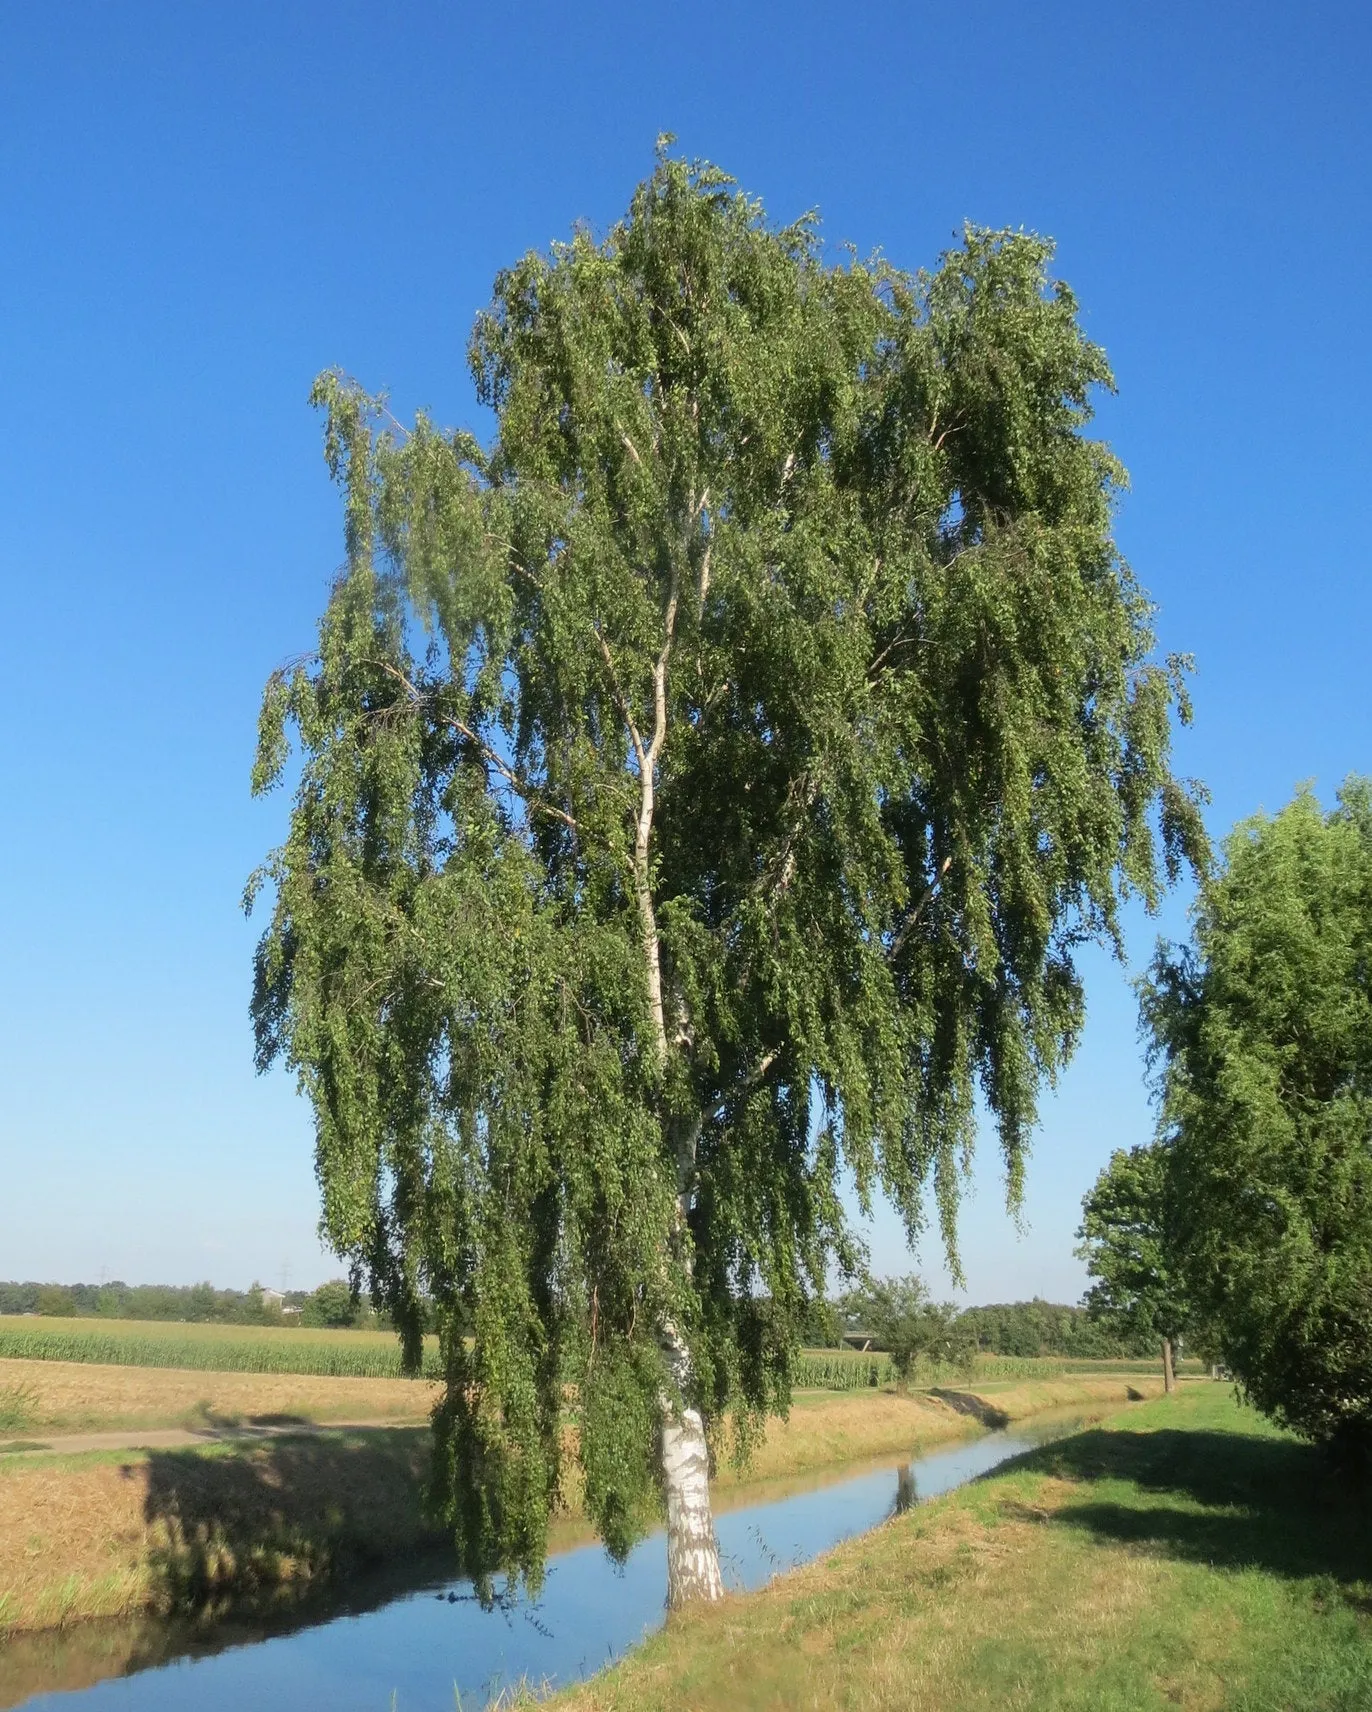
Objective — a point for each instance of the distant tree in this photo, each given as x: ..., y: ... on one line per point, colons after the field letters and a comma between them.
x: 330, y: 1305
x: 1128, y: 1242
x: 1262, y: 1026
x: 704, y: 789
x: 901, y: 1318
x: 1039, y: 1328
x: 820, y: 1325
x: 56, y: 1299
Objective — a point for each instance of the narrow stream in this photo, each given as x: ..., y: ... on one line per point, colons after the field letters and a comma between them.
x: 431, y: 1648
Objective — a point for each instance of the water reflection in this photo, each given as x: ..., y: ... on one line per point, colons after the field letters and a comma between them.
x: 907, y: 1492
x: 431, y: 1639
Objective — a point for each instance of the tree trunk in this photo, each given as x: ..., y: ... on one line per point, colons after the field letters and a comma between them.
x: 692, y: 1550
x: 1169, y: 1381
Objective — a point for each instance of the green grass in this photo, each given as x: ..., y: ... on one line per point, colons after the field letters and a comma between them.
x: 1182, y: 1554
x: 212, y: 1348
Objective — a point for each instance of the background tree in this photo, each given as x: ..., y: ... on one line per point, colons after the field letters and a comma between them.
x: 331, y: 1304
x: 704, y: 788
x: 1263, y: 1028
x: 1040, y: 1328
x: 1128, y: 1244
x: 901, y: 1318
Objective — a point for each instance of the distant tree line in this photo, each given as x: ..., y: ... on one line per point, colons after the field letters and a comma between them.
x: 332, y: 1304
x: 1035, y: 1328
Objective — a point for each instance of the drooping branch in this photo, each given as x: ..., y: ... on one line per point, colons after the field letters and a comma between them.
x: 527, y: 794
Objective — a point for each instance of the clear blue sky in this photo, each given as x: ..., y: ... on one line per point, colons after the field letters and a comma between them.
x: 201, y: 207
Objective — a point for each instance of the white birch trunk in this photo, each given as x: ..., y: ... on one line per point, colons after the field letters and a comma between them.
x: 692, y: 1550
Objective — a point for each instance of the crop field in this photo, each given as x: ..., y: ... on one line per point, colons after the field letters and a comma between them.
x: 376, y: 1355
x: 209, y: 1348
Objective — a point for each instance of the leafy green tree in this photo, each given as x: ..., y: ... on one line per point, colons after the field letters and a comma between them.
x: 1040, y: 1328
x: 1128, y: 1241
x: 901, y: 1318
x: 820, y: 1325
x: 330, y: 1305
x: 704, y: 787
x: 1263, y: 1029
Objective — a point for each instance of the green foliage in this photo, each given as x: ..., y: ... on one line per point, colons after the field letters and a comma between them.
x: 1128, y: 1241
x: 820, y: 1325
x: 901, y: 1319
x: 1263, y: 1026
x: 119, y: 1301
x: 331, y: 1304
x: 704, y: 788
x: 1039, y: 1328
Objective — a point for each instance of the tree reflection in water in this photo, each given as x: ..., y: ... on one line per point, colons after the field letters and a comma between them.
x: 907, y: 1493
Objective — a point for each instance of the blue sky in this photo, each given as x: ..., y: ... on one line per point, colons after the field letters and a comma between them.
x: 202, y: 207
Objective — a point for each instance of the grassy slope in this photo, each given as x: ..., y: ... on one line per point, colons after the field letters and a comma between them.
x: 111, y: 1534
x: 1182, y: 1554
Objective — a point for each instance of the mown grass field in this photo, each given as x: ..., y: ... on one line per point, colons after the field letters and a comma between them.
x: 1182, y: 1554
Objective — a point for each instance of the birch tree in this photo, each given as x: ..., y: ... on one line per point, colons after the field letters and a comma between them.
x: 704, y: 785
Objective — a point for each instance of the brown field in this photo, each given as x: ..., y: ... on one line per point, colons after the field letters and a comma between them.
x: 72, y: 1396
x: 249, y: 1526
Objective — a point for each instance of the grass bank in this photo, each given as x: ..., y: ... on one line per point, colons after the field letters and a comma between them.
x: 227, y: 1527
x: 1181, y: 1554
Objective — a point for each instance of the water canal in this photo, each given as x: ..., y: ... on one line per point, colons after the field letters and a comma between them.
x: 427, y: 1646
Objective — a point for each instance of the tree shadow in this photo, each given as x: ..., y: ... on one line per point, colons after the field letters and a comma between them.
x: 1238, y: 1502
x: 968, y: 1403
x: 269, y: 1525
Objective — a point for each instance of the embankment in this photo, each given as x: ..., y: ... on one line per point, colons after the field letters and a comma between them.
x: 1184, y: 1553
x: 231, y: 1527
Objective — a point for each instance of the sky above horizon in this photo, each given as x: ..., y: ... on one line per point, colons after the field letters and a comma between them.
x: 201, y: 208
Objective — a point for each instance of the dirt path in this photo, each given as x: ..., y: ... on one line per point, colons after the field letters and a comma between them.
x: 182, y: 1438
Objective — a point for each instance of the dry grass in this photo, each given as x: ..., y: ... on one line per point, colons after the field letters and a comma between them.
x: 828, y: 1429
x: 176, y: 1530
x: 117, y: 1533
x: 61, y: 1396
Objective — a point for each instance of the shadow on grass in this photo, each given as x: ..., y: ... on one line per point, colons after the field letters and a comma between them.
x: 968, y: 1403
x: 268, y: 1525
x: 1224, y: 1499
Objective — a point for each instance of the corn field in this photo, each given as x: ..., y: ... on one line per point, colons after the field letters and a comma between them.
x: 217, y: 1349
x: 376, y: 1355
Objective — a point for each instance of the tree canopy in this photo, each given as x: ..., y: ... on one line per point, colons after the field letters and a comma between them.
x: 704, y: 788
x: 1263, y: 1030
x: 902, y: 1317
x: 1128, y: 1241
